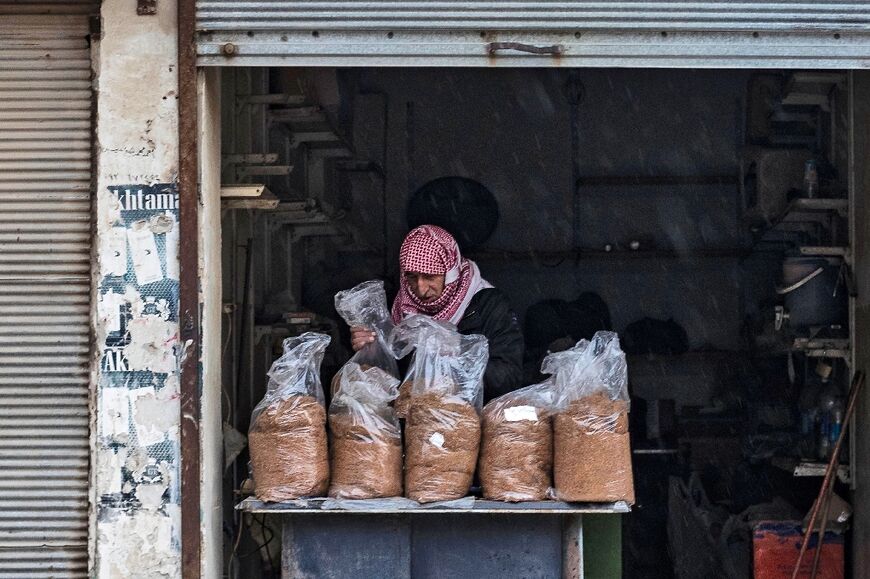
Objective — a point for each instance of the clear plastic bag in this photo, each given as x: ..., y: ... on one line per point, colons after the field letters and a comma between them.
x: 516, y: 452
x: 365, y: 305
x: 592, y: 458
x: 366, y: 441
x: 287, y: 437
x: 394, y: 504
x: 444, y: 389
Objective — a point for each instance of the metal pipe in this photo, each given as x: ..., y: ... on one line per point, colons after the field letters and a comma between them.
x: 822, y: 527
x: 243, y: 324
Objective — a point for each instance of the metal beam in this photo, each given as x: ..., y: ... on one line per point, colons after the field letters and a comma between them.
x: 658, y: 48
x: 189, y: 319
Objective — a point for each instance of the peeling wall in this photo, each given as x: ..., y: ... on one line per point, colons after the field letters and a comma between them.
x: 136, y: 448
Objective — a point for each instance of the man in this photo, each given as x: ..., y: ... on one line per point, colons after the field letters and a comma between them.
x: 437, y: 281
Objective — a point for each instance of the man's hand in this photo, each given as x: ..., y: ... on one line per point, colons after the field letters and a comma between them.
x: 361, y: 337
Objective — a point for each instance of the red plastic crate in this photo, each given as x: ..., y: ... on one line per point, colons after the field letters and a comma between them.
x: 776, y: 545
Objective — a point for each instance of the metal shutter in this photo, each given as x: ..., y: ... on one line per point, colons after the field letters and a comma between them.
x: 652, y: 33
x: 45, y: 245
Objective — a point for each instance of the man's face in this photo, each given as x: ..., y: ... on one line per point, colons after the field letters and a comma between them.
x: 425, y: 286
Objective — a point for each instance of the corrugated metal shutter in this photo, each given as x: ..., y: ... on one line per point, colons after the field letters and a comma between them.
x: 45, y: 236
x: 54, y: 7
x: 659, y: 33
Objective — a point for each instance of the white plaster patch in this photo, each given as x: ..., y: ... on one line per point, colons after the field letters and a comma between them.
x: 150, y: 495
x: 142, y: 305
x: 109, y: 310
x: 138, y: 545
x: 162, y: 223
x: 152, y: 344
x: 152, y: 481
x: 171, y: 385
x: 109, y: 470
x: 137, y: 460
x: 114, y: 414
x: 155, y: 414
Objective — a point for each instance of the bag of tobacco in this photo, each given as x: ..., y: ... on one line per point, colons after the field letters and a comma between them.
x: 516, y: 451
x: 287, y: 437
x: 592, y: 455
x: 444, y: 386
x: 366, y: 442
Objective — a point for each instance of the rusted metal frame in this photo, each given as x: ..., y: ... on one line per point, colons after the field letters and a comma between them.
x: 189, y: 307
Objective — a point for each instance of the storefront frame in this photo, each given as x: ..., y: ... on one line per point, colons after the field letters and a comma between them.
x: 837, y: 43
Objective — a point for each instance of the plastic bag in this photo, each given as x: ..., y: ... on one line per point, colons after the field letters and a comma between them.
x: 366, y: 449
x: 516, y: 452
x: 592, y: 458
x: 365, y: 305
x: 394, y: 504
x: 445, y: 361
x: 445, y: 393
x: 287, y: 437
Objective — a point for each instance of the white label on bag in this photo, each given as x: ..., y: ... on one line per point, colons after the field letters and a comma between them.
x: 517, y: 413
x: 437, y: 439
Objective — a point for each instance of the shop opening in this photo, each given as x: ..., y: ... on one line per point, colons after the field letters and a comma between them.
x: 703, y: 215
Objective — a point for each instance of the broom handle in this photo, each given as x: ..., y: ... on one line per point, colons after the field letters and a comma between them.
x: 857, y: 382
x: 817, y: 557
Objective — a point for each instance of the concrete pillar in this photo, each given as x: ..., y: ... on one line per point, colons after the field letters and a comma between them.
x: 135, y: 474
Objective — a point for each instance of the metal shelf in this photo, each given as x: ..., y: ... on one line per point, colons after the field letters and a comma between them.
x: 841, y: 206
x: 266, y: 200
x: 817, y: 469
x: 314, y: 507
x: 808, y: 468
x: 801, y: 214
x: 823, y: 347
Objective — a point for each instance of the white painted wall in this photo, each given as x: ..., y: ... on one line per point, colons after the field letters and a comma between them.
x: 136, y: 463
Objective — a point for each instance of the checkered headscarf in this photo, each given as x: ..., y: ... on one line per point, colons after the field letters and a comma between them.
x: 431, y: 250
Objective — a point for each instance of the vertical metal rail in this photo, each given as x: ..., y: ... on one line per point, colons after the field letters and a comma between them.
x: 852, y: 236
x: 189, y: 307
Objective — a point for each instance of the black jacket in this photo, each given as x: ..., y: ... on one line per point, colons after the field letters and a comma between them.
x: 489, y: 313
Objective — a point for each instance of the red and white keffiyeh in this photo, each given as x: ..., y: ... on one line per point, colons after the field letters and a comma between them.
x: 430, y: 250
